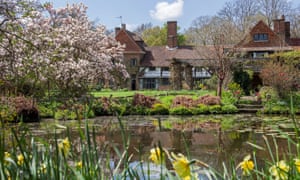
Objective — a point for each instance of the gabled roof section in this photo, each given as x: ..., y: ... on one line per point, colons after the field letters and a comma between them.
x: 134, y: 44
x: 160, y: 56
x: 261, y: 28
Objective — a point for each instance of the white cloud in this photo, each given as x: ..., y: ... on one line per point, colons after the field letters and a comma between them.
x: 131, y: 27
x: 167, y: 11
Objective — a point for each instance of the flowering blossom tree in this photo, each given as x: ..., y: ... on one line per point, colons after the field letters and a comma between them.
x: 61, y: 47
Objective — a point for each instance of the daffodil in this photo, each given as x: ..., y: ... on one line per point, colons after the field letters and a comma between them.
x: 6, y: 157
x: 297, y: 164
x: 181, y: 166
x: 79, y: 165
x: 20, y: 159
x: 246, y: 165
x: 43, y: 168
x: 280, y: 170
x: 157, y: 156
x: 65, y: 146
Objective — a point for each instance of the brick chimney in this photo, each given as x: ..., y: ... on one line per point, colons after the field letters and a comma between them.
x: 117, y: 30
x: 124, y: 26
x: 172, y: 34
x: 282, y: 28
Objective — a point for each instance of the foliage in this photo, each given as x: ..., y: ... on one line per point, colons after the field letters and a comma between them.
x: 268, y: 94
x: 65, y: 114
x: 77, y: 111
x: 7, y: 113
x: 140, y: 110
x: 280, y: 76
x: 167, y: 100
x: 45, y: 112
x: 229, y: 98
x: 107, y: 106
x: 201, y: 109
x: 275, y: 109
x: 215, y: 109
x: 21, y: 108
x: 291, y: 57
x: 229, y: 108
x: 242, y: 78
x: 157, y: 36
x: 180, y: 110
x: 211, y: 83
x: 159, y: 108
x: 235, y: 89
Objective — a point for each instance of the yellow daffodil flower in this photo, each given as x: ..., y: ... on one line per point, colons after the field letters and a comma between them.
x: 246, y: 165
x: 43, y: 168
x: 280, y: 170
x: 6, y: 156
x: 297, y: 164
x: 79, y: 165
x: 157, y: 156
x: 65, y: 146
x: 20, y: 159
x: 182, y: 166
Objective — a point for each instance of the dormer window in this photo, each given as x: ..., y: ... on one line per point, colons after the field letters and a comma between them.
x: 260, y: 37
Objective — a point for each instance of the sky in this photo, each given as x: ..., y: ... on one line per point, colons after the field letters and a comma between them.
x: 136, y: 12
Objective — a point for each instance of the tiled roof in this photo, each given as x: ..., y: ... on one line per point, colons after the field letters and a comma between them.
x: 131, y: 40
x: 161, y: 56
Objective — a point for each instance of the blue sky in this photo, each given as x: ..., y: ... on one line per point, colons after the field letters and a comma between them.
x: 137, y: 12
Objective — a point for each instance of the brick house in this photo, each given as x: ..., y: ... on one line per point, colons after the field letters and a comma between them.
x: 152, y: 67
x: 262, y: 41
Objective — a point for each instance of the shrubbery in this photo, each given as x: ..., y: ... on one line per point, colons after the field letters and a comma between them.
x: 180, y: 110
x: 229, y: 108
x: 160, y: 109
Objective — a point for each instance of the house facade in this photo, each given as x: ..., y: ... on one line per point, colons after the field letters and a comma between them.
x: 153, y: 67
x: 263, y: 41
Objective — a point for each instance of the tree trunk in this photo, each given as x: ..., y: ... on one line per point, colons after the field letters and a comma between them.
x: 220, y: 85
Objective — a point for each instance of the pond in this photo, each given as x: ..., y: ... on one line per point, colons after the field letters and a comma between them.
x: 213, y: 139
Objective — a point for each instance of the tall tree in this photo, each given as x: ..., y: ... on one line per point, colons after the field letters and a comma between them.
x: 157, y: 36
x: 294, y: 18
x: 221, y: 62
x: 240, y: 12
x: 273, y: 9
x: 205, y: 28
x: 141, y: 28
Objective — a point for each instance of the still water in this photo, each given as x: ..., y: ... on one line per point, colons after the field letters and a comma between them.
x: 213, y: 139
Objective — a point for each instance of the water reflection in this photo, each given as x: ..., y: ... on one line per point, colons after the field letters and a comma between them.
x: 221, y: 139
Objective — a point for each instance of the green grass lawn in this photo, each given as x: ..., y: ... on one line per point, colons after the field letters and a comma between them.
x: 120, y: 93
